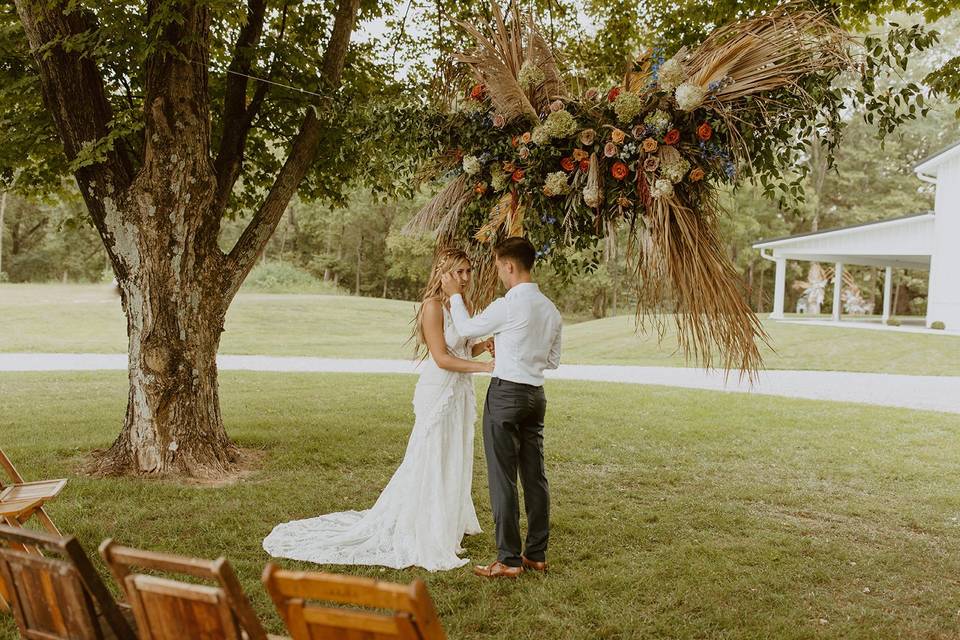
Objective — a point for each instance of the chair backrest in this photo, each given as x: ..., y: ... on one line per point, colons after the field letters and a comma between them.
x: 171, y: 610
x: 48, y: 598
x: 71, y: 554
x: 161, y: 601
x: 298, y: 596
x: 10, y: 470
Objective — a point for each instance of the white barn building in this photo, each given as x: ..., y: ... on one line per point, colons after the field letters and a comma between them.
x: 927, y: 241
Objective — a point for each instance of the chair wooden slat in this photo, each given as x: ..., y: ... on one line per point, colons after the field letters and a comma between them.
x: 71, y: 553
x: 121, y: 560
x: 18, y: 490
x: 48, y: 598
x: 304, y: 602
x: 172, y: 610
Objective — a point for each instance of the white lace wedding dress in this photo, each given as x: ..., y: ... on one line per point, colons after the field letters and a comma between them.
x: 426, y: 508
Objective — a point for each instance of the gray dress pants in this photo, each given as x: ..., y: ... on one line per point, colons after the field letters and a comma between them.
x: 513, y: 443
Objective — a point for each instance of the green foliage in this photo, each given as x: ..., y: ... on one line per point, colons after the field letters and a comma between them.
x: 283, y: 277
x: 894, y: 322
x: 938, y: 324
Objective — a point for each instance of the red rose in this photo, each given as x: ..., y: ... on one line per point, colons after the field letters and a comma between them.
x: 705, y: 131
x: 672, y: 137
x: 619, y: 170
x: 613, y: 94
x: 478, y: 92
x: 584, y: 165
x: 517, y: 175
x: 567, y: 164
x: 514, y: 140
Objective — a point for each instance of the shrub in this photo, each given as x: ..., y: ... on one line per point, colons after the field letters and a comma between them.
x: 893, y: 322
x: 283, y: 277
x: 937, y: 324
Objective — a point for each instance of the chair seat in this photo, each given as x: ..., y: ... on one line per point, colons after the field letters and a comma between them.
x: 14, y: 509
x: 43, y: 489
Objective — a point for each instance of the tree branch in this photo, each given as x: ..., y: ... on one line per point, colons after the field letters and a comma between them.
x: 234, y: 135
x: 254, y: 238
x: 73, y: 92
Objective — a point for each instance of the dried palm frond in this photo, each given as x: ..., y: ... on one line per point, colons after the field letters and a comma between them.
x: 443, y: 211
x: 637, y: 80
x: 769, y: 52
x: 496, y: 62
x: 684, y: 263
x: 540, y: 55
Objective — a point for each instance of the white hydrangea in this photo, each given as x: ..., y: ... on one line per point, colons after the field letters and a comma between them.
x: 676, y: 170
x: 627, y: 107
x: 556, y: 184
x: 671, y: 75
x: 539, y: 136
x: 530, y: 75
x: 471, y: 165
x: 658, y: 120
x: 689, y: 96
x: 560, y: 124
x: 662, y: 188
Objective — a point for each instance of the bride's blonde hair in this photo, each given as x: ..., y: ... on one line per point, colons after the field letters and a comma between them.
x: 445, y: 261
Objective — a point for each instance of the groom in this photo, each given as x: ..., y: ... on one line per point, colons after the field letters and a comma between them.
x: 526, y: 329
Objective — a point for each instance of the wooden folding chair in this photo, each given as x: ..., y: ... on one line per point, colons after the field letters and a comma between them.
x: 167, y: 609
x: 58, y: 597
x: 411, y: 612
x: 19, y: 501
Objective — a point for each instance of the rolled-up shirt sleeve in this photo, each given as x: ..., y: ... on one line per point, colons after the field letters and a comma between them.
x: 491, y: 320
x: 553, y: 359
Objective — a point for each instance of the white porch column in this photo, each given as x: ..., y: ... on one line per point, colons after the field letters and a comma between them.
x: 837, y: 288
x: 779, y: 287
x: 887, y: 290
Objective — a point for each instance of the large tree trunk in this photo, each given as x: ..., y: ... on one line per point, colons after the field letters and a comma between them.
x: 173, y: 291
x: 158, y: 213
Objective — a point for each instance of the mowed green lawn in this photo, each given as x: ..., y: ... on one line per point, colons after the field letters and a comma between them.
x: 88, y: 318
x: 677, y: 514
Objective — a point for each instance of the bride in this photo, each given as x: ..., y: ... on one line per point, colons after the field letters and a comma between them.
x: 426, y: 508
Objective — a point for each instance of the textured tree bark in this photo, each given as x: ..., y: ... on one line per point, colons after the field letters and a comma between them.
x: 159, y: 218
x: 165, y: 232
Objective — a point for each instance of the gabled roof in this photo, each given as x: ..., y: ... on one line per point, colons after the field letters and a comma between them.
x: 764, y: 244
x: 931, y: 164
x: 905, y: 242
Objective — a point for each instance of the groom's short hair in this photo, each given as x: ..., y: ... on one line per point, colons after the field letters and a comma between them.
x: 519, y: 250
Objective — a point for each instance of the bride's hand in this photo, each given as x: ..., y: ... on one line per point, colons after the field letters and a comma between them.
x: 488, y: 367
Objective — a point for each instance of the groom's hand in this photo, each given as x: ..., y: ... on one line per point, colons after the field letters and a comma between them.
x: 451, y: 286
x: 490, y: 347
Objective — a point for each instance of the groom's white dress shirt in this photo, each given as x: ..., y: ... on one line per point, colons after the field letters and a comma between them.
x: 526, y: 329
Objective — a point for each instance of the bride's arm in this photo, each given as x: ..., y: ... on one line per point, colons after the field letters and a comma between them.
x: 433, y: 332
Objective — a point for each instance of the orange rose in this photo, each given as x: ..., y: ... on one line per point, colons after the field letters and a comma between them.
x: 650, y: 145
x: 673, y: 137
x: 478, y: 92
x: 480, y: 188
x: 509, y: 167
x: 705, y: 131
x: 514, y: 141
x: 697, y: 174
x: 617, y: 136
x: 517, y: 175
x: 614, y: 93
x: 584, y: 165
x: 580, y: 154
x: 525, y: 138
x: 567, y: 164
x: 619, y: 170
